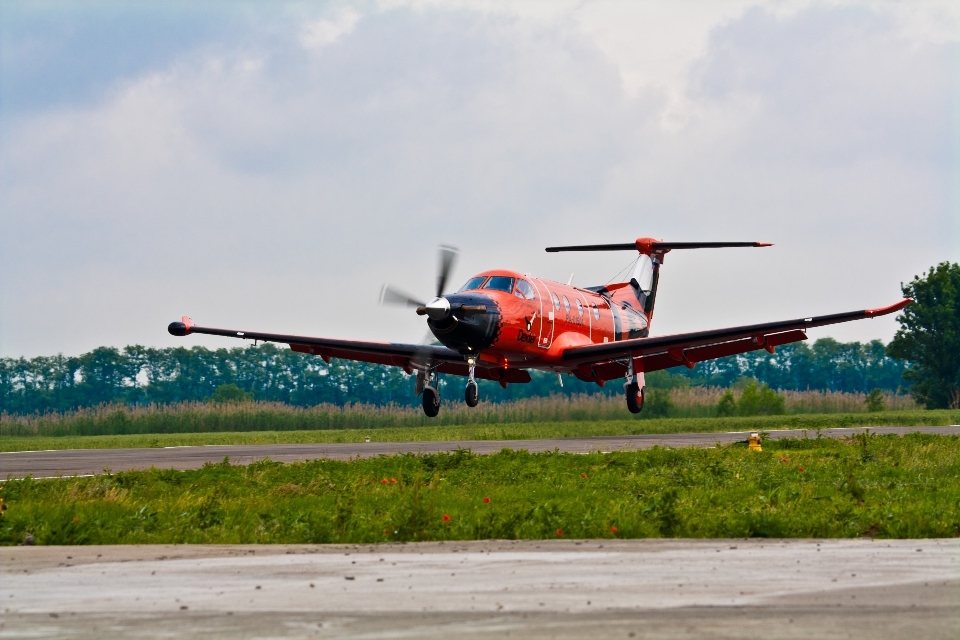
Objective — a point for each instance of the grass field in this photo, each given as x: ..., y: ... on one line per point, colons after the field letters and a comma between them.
x: 883, y: 486
x: 687, y: 403
x: 508, y: 431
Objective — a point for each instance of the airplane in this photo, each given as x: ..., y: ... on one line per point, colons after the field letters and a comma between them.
x: 501, y: 324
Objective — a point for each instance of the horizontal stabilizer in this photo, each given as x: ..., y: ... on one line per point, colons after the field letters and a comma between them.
x: 649, y: 245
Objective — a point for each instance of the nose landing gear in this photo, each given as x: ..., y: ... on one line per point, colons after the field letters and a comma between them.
x: 471, y: 394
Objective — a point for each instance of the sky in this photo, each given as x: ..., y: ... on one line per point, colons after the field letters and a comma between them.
x: 268, y: 166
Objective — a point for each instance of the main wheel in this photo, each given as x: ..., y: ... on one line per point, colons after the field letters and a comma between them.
x: 471, y: 394
x: 634, y: 394
x: 431, y: 401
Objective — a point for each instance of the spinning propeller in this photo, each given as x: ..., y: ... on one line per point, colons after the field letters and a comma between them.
x: 439, y: 307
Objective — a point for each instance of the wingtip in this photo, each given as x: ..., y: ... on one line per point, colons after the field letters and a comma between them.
x: 893, y: 308
x: 764, y: 244
x: 181, y: 328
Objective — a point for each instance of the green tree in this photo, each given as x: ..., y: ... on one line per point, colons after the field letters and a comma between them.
x: 657, y: 403
x: 929, y: 337
x: 760, y: 401
x: 230, y: 393
x: 875, y: 401
x: 727, y: 406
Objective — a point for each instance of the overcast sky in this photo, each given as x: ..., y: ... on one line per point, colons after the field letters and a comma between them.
x: 269, y: 166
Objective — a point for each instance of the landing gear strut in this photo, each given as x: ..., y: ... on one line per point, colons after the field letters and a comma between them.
x: 633, y: 390
x: 471, y: 394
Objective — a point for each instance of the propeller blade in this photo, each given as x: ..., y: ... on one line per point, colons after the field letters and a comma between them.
x: 448, y: 257
x: 391, y: 295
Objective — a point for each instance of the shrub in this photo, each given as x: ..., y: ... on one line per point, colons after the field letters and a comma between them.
x: 875, y: 402
x: 760, y: 401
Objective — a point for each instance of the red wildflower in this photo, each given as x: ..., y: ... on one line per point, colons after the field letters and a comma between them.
x: 393, y: 481
x: 486, y: 500
x: 782, y: 459
x: 446, y: 518
x: 76, y: 518
x: 559, y: 533
x: 800, y: 469
x: 583, y: 475
x: 384, y: 481
x: 613, y: 529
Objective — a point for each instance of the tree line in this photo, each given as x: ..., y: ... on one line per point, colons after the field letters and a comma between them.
x: 142, y: 375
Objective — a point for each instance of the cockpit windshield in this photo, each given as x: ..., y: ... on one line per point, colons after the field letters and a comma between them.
x: 473, y: 283
x: 500, y: 283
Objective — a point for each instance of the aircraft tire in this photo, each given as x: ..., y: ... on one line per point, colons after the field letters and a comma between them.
x: 471, y: 394
x: 634, y: 393
x: 431, y: 401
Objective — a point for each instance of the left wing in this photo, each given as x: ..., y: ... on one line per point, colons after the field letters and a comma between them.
x: 406, y: 356
x: 598, y: 361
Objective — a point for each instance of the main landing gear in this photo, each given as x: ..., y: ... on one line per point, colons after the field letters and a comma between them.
x: 429, y: 393
x: 427, y: 388
x: 633, y: 390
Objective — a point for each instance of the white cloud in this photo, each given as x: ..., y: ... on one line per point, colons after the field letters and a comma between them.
x: 268, y: 187
x: 320, y: 33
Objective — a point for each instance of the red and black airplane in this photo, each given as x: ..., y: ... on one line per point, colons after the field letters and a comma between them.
x: 501, y: 323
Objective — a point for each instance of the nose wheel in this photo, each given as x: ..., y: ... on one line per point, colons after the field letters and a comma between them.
x: 471, y: 394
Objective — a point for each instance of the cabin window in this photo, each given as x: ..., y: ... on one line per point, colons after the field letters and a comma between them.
x: 525, y: 290
x: 500, y: 283
x: 596, y: 312
x: 473, y: 283
x: 556, y: 301
x: 579, y: 307
x: 566, y: 304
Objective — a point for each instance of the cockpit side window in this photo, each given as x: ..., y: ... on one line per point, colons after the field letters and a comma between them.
x: 525, y: 290
x: 556, y: 301
x: 473, y: 283
x: 500, y: 283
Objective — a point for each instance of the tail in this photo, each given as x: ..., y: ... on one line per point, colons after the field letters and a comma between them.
x: 646, y: 273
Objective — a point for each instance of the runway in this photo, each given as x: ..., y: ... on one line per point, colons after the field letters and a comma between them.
x: 531, y: 589
x: 71, y: 462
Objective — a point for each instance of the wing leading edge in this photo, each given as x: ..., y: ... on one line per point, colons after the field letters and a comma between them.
x: 597, y: 362
x: 409, y: 357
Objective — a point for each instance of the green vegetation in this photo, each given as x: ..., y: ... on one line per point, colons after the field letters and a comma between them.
x: 481, y: 431
x: 883, y: 486
x: 875, y: 401
x: 753, y: 401
x: 929, y: 337
x: 230, y: 393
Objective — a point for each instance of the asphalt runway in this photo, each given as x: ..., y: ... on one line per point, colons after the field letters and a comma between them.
x: 676, y: 589
x: 71, y: 462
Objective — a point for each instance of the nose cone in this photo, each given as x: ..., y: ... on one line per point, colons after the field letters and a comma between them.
x: 438, y: 308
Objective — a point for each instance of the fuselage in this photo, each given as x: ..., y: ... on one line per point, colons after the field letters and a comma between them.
x: 529, y: 321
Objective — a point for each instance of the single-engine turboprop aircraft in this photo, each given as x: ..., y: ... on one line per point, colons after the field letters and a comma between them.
x: 501, y: 323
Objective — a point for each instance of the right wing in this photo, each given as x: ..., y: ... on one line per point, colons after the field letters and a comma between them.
x: 409, y: 357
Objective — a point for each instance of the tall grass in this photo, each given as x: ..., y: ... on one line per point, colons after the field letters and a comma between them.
x: 194, y: 417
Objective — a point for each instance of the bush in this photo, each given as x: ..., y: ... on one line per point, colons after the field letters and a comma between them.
x: 760, y: 401
x: 727, y: 407
x: 875, y: 402
x: 657, y: 403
